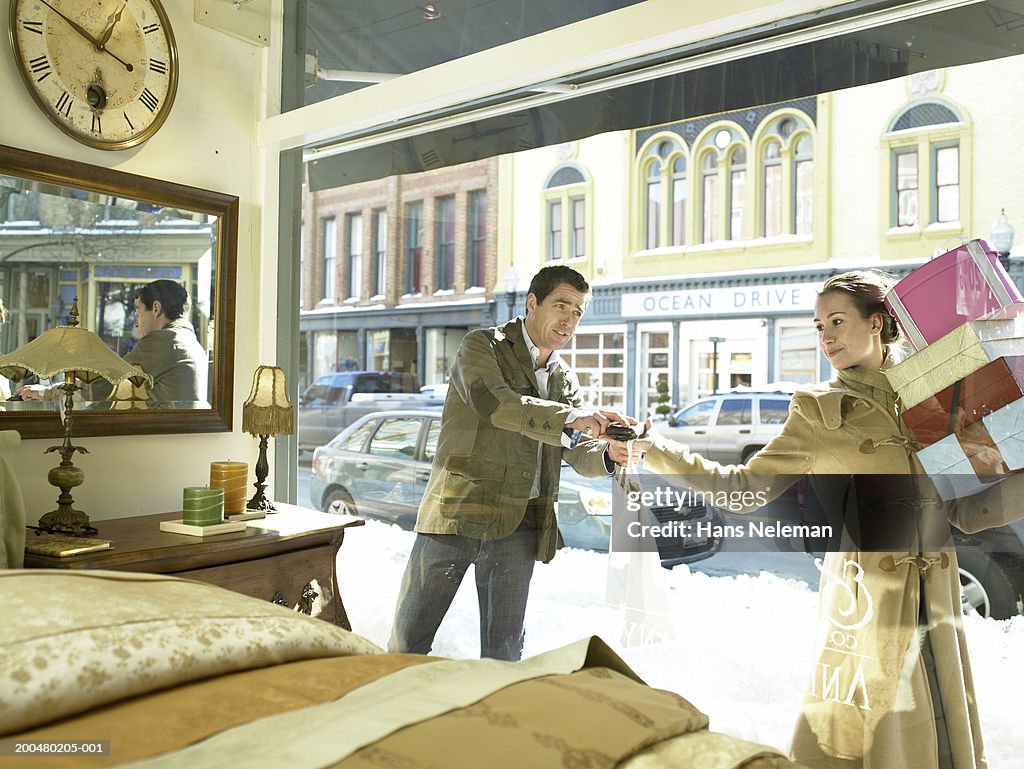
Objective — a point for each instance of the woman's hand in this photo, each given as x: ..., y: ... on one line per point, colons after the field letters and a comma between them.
x: 621, y: 452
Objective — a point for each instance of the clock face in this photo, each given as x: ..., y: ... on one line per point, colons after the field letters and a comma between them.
x: 105, y: 71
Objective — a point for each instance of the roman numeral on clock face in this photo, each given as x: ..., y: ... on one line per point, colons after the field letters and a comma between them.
x: 33, y: 26
x: 149, y: 99
x: 128, y: 120
x: 150, y: 29
x: 40, y: 65
x: 96, y: 124
x: 64, y: 104
x: 158, y: 66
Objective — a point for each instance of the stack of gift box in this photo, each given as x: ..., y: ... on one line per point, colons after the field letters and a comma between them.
x: 962, y: 390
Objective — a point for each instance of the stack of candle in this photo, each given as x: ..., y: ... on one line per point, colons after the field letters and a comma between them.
x: 232, y: 477
x: 202, y: 506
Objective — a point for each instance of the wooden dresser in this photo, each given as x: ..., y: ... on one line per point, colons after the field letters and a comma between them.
x: 289, y: 557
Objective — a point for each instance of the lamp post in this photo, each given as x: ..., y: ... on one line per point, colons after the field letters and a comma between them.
x: 509, y: 283
x: 1001, y: 236
x: 714, y: 361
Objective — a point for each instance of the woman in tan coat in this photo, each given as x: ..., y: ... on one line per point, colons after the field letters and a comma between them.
x: 892, y: 686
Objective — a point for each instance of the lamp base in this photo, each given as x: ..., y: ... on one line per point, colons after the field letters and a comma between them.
x: 259, y: 500
x: 66, y: 520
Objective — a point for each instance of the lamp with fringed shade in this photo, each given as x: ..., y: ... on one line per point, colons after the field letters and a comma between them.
x: 80, y: 355
x: 266, y: 412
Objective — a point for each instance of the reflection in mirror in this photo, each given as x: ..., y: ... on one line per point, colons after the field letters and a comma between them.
x: 131, y: 250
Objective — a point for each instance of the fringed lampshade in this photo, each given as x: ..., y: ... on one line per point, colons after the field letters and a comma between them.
x: 266, y: 412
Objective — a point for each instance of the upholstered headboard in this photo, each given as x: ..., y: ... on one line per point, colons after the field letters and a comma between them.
x: 12, y: 508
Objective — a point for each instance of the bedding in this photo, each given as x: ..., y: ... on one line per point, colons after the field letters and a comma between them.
x: 177, y: 673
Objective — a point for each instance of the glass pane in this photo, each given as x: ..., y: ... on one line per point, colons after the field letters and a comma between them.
x: 804, y: 209
x: 653, y: 214
x: 737, y: 185
x: 906, y: 171
x: 906, y: 208
x: 678, y: 212
x: 433, y: 433
x: 396, y: 438
x: 357, y: 439
x: 773, y: 200
x: 709, y: 223
x: 697, y: 415
x: 773, y: 411
x: 947, y: 165
x: 948, y: 208
x: 735, y: 411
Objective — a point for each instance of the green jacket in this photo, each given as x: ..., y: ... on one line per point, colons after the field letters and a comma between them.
x: 493, y: 421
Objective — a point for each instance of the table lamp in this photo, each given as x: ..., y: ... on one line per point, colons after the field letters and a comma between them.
x: 266, y: 412
x: 81, y: 355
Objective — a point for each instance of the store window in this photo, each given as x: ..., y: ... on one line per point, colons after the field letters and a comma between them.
x: 798, y: 354
x: 599, y: 360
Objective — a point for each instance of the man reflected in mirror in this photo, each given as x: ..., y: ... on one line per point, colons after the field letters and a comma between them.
x: 167, y: 350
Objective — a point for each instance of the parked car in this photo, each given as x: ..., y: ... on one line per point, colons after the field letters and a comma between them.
x: 378, y: 468
x: 334, y: 401
x: 730, y: 427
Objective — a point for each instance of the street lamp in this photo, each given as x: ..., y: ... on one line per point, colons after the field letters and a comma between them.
x: 1001, y: 236
x: 714, y: 361
x: 509, y: 283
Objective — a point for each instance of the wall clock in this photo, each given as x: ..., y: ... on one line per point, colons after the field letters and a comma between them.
x: 105, y: 71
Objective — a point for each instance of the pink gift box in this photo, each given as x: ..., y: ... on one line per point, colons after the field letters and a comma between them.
x: 964, y: 284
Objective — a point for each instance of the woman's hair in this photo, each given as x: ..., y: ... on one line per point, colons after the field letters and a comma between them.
x: 172, y: 296
x: 866, y: 288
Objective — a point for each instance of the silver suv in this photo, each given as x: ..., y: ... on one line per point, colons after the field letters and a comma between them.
x: 730, y: 427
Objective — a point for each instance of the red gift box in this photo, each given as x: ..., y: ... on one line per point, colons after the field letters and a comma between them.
x: 964, y: 284
x: 967, y: 401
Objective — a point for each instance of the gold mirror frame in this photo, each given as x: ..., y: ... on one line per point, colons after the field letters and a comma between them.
x: 35, y: 167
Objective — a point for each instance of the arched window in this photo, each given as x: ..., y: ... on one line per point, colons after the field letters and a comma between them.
x: 736, y: 191
x: 709, y: 197
x: 679, y: 201
x: 772, y: 191
x: 566, y: 214
x: 786, y: 176
x: 803, y: 186
x: 924, y: 158
x: 663, y: 187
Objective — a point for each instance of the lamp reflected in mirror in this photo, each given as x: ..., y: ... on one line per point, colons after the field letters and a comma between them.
x: 81, y: 356
x: 266, y: 412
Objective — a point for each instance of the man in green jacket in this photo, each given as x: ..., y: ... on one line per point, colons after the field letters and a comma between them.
x: 512, y: 414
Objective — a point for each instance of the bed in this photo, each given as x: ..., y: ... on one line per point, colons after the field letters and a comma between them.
x: 175, y: 673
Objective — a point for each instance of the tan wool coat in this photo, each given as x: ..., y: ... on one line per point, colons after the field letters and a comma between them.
x: 870, y: 703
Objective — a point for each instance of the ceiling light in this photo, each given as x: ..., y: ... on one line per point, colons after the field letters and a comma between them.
x: 430, y: 12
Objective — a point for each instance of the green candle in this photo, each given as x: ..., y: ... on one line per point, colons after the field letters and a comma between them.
x: 202, y: 506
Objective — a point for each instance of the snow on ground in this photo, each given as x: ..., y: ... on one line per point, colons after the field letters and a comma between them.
x: 739, y: 647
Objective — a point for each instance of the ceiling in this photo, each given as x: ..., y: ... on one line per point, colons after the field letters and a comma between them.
x: 694, y: 85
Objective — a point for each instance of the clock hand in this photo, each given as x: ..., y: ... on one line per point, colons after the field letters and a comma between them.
x: 85, y: 33
x: 74, y: 25
x: 111, y: 22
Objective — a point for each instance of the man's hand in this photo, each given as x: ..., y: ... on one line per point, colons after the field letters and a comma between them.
x: 595, y: 423
x: 32, y: 392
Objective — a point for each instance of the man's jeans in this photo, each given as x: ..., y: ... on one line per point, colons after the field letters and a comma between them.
x: 438, y: 563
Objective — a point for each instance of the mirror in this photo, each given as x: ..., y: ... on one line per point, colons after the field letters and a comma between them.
x: 69, y: 229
